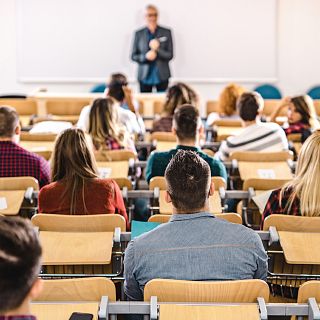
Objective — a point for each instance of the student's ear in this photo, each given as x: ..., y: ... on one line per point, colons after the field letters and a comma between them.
x: 36, y: 289
x: 167, y: 197
x: 211, y: 190
x: 174, y: 131
x: 17, y: 130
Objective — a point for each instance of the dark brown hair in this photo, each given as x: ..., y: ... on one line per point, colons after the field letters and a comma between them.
x: 9, y: 120
x: 178, y: 95
x: 117, y: 81
x: 249, y: 105
x: 20, y: 261
x: 304, y: 106
x: 73, y: 164
x: 188, y: 179
x: 186, y: 121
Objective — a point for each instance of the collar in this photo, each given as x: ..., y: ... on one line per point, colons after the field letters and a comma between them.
x: 190, y: 216
x: 179, y: 147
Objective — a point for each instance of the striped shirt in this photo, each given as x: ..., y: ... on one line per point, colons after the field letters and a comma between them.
x: 257, y: 137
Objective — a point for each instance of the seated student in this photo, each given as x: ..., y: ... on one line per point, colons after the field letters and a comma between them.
x: 301, y: 195
x: 76, y: 187
x: 302, y: 117
x: 16, y: 161
x: 106, y: 131
x: 127, y: 109
x: 194, y: 245
x: 227, y: 104
x: 187, y: 127
x: 20, y: 263
x: 177, y: 95
x: 256, y: 136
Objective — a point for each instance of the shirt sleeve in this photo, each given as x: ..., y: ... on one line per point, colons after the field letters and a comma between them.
x: 119, y: 203
x: 272, y: 205
x: 261, y: 260
x: 219, y: 169
x: 149, y: 169
x: 131, y: 285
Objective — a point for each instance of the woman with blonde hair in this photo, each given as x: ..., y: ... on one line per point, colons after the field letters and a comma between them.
x: 301, y: 114
x: 300, y: 196
x: 76, y: 187
x: 177, y: 95
x: 227, y: 106
x: 104, y: 128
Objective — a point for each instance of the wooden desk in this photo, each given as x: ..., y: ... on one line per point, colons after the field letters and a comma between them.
x: 300, y: 247
x: 214, y: 201
x: 114, y: 169
x: 165, y: 145
x: 14, y: 199
x: 254, y: 170
x: 76, y: 248
x: 62, y: 310
x: 187, y: 312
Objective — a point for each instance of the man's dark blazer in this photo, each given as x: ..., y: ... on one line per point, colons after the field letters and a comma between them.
x: 165, y: 52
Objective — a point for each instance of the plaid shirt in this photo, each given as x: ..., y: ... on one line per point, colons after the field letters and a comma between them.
x: 297, y: 127
x: 274, y: 206
x: 18, y: 162
x: 18, y: 317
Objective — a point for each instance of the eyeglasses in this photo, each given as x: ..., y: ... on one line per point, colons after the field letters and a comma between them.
x: 152, y: 15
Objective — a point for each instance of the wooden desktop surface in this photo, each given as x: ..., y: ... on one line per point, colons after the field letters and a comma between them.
x: 62, y: 311
x: 14, y: 199
x: 300, y: 247
x: 214, y: 201
x: 256, y: 170
x: 187, y: 312
x: 65, y: 248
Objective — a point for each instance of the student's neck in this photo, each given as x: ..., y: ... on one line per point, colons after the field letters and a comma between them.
x: 177, y: 211
x: 24, y: 309
x: 188, y: 143
x: 249, y: 123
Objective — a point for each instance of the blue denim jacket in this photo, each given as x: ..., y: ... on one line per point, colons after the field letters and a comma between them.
x: 194, y: 246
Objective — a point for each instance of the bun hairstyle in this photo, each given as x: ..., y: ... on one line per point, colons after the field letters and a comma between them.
x: 249, y: 105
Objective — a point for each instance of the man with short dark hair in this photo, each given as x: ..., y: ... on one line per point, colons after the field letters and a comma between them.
x: 256, y: 135
x: 188, y: 128
x: 194, y: 244
x: 14, y: 160
x: 20, y: 263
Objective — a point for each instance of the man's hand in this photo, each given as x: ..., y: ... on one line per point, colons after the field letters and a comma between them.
x: 151, y: 55
x: 154, y: 44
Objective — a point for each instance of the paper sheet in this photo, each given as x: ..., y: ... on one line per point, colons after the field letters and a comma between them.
x: 3, y: 203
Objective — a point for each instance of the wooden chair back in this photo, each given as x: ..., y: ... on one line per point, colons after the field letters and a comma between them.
x: 227, y: 123
x: 23, y: 106
x: 254, y: 156
x: 158, y: 106
x: 79, y: 223
x: 292, y: 223
x: 66, y: 106
x: 212, y: 106
x: 208, y: 152
x: 160, y: 182
x: 264, y: 184
x: 237, y: 291
x: 115, y: 155
x: 231, y: 217
x: 26, y: 136
x: 310, y: 289
x: 123, y: 182
x: 317, y: 106
x: 270, y: 105
x: 18, y: 183
x: 85, y: 289
x: 163, y: 136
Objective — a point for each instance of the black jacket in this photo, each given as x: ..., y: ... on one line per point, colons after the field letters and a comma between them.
x: 165, y: 52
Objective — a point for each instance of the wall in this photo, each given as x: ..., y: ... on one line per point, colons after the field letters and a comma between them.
x: 298, y: 52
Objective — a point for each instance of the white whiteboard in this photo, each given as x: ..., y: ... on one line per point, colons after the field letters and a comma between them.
x: 86, y: 40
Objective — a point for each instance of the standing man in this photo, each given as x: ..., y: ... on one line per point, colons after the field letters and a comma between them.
x: 152, y: 50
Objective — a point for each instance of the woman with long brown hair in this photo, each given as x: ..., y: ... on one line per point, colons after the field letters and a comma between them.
x: 177, y: 95
x: 76, y: 187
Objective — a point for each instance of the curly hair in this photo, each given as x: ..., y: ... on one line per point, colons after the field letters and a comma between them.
x: 228, y: 99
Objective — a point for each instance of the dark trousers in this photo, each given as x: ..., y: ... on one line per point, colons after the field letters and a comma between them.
x: 161, y: 87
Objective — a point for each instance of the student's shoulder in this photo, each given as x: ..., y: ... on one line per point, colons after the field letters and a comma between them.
x: 161, y: 155
x: 164, y: 29
x: 141, y: 30
x: 49, y: 188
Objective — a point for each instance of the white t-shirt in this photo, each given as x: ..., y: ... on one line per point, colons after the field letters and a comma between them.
x: 257, y: 137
